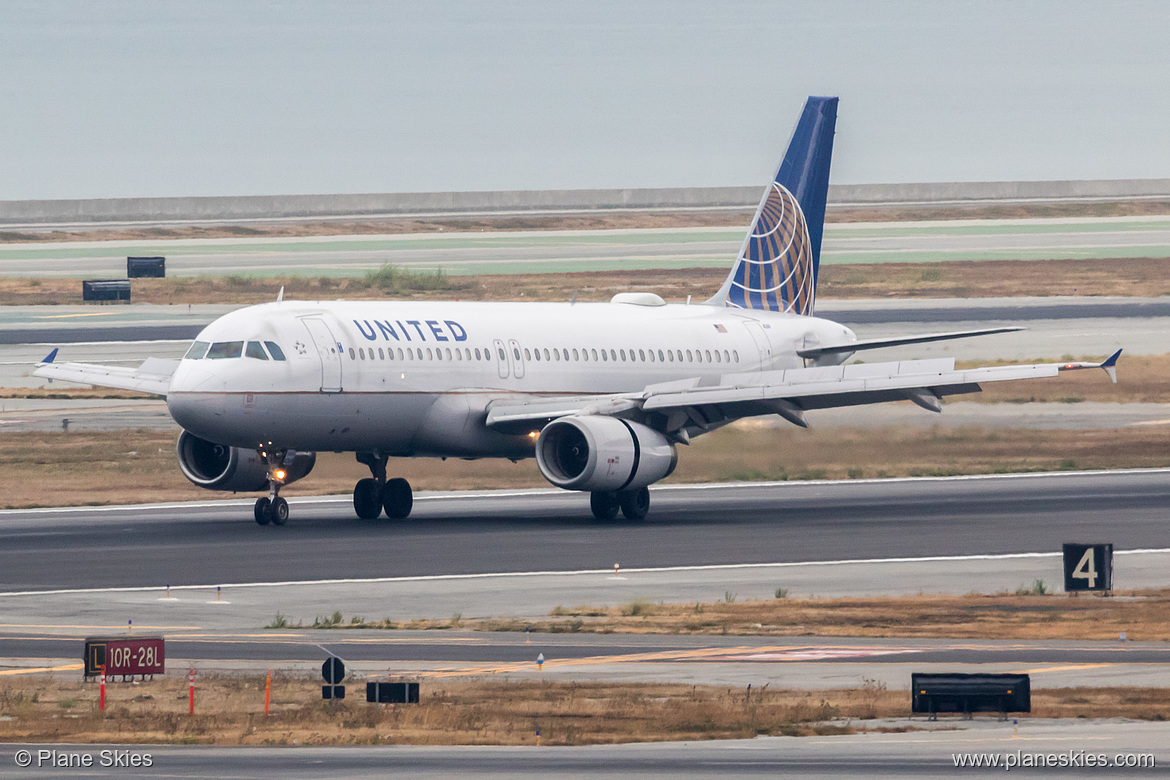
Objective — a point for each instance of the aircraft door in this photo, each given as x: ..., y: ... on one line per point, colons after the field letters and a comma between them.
x: 329, y: 351
x: 501, y: 358
x: 517, y: 358
x: 763, y: 344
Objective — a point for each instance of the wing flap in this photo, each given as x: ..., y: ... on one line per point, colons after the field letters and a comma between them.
x: 803, y: 383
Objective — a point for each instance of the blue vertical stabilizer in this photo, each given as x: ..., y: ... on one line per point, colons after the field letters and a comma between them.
x: 778, y: 264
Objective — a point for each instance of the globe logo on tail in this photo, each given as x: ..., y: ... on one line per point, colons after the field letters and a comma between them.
x: 775, y: 267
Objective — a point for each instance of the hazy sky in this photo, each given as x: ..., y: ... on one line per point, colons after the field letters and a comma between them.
x: 110, y: 98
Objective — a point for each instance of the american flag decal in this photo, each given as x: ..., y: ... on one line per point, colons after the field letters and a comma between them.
x: 720, y: 328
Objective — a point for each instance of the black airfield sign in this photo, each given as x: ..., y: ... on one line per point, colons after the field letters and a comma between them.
x: 1088, y: 567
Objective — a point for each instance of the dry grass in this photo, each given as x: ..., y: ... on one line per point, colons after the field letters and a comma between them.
x: 1143, y: 615
x: 138, y: 466
x: 957, y: 278
x: 229, y: 711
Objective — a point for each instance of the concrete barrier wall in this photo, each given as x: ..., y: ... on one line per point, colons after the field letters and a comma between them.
x: 50, y: 212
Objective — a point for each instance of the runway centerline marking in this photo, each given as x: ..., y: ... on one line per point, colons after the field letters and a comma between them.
x: 572, y: 573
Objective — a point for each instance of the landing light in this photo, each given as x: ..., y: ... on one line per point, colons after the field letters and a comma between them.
x: 279, y: 474
x: 533, y: 434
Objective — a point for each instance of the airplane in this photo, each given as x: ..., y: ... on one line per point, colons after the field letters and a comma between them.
x: 601, y: 394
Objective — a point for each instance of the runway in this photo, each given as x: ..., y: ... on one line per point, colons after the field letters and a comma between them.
x: 526, y: 252
x: 551, y: 530
x: 926, y: 750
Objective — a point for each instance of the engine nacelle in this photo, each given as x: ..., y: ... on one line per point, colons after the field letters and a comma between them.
x: 219, y: 467
x: 603, y: 453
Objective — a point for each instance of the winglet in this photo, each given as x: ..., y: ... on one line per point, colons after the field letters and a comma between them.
x: 1110, y: 366
x: 51, y: 356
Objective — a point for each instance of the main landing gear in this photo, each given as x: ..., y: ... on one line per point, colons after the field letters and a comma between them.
x: 634, y: 504
x: 272, y: 508
x: 374, y: 494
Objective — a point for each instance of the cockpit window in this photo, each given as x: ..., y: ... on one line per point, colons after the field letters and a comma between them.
x: 197, y: 351
x: 255, y: 350
x: 274, y: 350
x: 225, y: 349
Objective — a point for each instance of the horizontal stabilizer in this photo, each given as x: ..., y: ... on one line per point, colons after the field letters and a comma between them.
x: 856, y: 346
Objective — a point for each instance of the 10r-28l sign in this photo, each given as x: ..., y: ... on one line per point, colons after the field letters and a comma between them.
x: 1088, y: 567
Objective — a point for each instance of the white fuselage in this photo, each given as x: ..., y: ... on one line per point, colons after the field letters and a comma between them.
x: 415, y: 378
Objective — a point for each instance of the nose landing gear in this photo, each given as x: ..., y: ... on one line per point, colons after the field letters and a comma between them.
x: 272, y: 508
x: 375, y: 494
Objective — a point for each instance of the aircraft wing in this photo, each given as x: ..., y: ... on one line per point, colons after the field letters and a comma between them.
x: 152, y: 376
x: 691, y: 406
x: 897, y: 341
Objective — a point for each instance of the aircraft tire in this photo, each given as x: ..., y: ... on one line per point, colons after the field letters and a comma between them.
x: 604, y: 504
x: 635, y: 503
x: 367, y: 500
x: 397, y: 498
x: 261, y: 511
x: 279, y: 511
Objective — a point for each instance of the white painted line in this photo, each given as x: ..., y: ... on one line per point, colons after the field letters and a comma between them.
x: 574, y: 573
x: 517, y: 493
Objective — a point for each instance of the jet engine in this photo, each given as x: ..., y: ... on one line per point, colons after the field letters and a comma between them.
x: 219, y: 467
x: 603, y: 454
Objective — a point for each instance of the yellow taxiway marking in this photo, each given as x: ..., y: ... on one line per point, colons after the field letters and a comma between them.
x: 37, y: 670
x: 120, y: 627
x: 707, y: 653
x: 1067, y: 668
x: 69, y: 316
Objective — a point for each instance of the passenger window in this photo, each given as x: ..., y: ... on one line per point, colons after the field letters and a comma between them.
x: 594, y: 351
x: 651, y: 356
x: 576, y: 356
x: 430, y: 355
x: 670, y: 355
x: 516, y: 353
x: 197, y: 351
x: 400, y: 353
x: 477, y: 353
x: 557, y: 354
x: 642, y: 355
x: 536, y: 353
x: 661, y: 359
x: 225, y: 349
x: 623, y: 354
x: 717, y: 360
x: 255, y: 350
x: 613, y: 355
x: 505, y: 357
x: 735, y: 355
x: 726, y: 357
x: 438, y: 353
x: 276, y: 352
x: 546, y: 357
x: 604, y: 357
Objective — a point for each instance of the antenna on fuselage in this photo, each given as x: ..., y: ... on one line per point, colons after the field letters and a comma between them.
x: 280, y: 295
x: 573, y: 300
